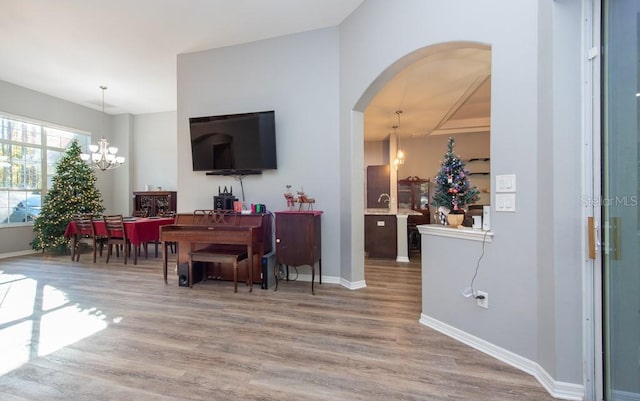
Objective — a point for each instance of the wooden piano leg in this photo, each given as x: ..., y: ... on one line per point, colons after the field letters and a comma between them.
x: 164, y: 261
x: 235, y: 275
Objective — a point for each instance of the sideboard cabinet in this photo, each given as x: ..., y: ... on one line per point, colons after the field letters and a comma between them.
x: 154, y: 202
x: 298, y: 241
x: 413, y: 193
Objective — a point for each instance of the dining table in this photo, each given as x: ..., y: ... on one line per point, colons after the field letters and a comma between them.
x: 139, y: 230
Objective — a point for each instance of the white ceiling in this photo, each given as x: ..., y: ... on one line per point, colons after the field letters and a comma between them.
x: 444, y: 93
x: 69, y: 48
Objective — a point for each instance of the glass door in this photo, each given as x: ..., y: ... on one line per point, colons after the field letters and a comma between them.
x: 620, y: 179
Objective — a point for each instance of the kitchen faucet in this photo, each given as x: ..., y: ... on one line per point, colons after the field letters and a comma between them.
x: 380, y: 198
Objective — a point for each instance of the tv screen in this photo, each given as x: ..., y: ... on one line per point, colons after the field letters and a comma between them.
x: 234, y: 143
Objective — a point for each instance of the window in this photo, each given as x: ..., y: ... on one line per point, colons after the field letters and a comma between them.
x: 29, y: 152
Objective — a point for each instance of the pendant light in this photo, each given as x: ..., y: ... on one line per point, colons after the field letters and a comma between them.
x: 400, y: 153
x: 103, y: 156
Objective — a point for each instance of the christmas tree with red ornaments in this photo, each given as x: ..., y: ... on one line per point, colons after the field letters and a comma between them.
x: 453, y: 189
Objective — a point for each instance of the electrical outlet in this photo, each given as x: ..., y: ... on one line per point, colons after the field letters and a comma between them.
x: 482, y: 302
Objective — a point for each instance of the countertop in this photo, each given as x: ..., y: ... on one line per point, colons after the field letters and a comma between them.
x: 385, y: 211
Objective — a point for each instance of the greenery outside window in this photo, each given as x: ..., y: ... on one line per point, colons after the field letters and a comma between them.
x: 29, y: 152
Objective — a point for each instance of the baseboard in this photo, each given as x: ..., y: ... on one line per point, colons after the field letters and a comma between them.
x: 328, y: 280
x: 15, y: 254
x: 353, y: 285
x: 561, y: 390
x: 625, y: 396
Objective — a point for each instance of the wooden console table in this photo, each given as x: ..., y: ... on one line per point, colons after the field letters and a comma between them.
x: 298, y: 241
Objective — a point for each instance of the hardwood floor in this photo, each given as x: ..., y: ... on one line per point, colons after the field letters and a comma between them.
x: 84, y: 331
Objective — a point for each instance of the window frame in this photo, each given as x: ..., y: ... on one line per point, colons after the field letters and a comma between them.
x: 45, y: 148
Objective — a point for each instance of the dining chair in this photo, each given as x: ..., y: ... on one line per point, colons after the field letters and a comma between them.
x: 86, y: 234
x: 140, y: 213
x: 116, y: 235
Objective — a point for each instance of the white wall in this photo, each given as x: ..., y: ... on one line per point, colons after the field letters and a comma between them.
x: 118, y: 201
x: 154, y: 158
x: 560, y: 121
x: 297, y: 76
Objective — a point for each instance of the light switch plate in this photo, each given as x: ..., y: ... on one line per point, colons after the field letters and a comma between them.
x: 506, y: 183
x: 505, y: 202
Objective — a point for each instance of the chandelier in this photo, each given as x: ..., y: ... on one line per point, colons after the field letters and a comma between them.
x: 102, y: 155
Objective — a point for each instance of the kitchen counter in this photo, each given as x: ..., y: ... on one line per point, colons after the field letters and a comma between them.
x: 376, y: 235
x: 385, y: 211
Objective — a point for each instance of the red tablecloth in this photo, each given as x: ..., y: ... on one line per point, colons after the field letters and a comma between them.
x: 139, y: 231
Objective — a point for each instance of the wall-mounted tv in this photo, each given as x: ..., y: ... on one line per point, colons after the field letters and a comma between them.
x: 234, y: 144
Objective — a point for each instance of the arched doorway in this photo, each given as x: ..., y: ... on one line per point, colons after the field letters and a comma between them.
x: 418, y: 102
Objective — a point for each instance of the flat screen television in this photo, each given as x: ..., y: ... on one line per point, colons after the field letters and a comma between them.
x: 234, y: 144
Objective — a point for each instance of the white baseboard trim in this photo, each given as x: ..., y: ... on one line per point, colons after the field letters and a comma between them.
x: 307, y: 277
x: 330, y: 280
x: 561, y: 390
x: 14, y: 254
x: 355, y: 285
x: 625, y: 396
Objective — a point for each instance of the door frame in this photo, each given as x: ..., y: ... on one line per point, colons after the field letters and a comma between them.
x: 592, y: 200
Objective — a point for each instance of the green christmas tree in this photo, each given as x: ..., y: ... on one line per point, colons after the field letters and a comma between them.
x: 453, y: 188
x: 73, y: 192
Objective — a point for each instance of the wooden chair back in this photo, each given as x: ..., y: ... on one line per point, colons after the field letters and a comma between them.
x: 116, y: 235
x: 84, y: 226
x: 85, y: 234
x: 114, y: 225
x: 140, y: 213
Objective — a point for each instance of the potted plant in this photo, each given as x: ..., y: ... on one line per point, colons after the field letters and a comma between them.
x: 453, y: 190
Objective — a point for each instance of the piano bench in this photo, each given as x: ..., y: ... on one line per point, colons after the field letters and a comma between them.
x: 221, y: 255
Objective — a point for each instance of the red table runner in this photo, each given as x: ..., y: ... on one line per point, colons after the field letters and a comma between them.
x: 139, y: 231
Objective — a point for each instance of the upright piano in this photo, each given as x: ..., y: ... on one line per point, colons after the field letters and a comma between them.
x: 215, y: 228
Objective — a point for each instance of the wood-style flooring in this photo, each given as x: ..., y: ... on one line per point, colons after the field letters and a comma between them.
x: 84, y: 331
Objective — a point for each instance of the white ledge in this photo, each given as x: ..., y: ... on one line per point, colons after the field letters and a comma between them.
x: 470, y: 234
